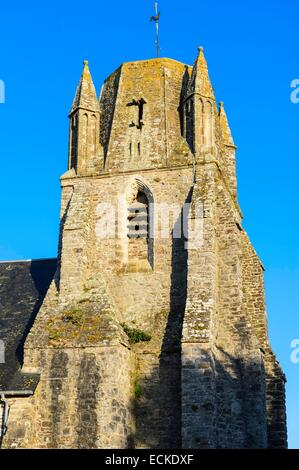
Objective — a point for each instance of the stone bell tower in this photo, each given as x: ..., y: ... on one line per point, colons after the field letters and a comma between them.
x: 153, y: 332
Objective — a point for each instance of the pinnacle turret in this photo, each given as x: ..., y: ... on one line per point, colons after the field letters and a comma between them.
x: 200, y: 81
x: 85, y: 97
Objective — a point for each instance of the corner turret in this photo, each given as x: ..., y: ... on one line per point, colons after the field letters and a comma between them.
x: 84, y: 125
x: 200, y: 110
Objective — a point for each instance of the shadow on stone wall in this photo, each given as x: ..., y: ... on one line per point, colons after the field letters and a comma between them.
x: 240, y: 407
x: 61, y: 231
x: 185, y: 81
x: 108, y: 102
x: 235, y: 412
x: 158, y: 411
x: 236, y: 408
x: 277, y: 419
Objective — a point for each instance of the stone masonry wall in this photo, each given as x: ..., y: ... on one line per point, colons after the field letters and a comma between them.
x: 204, y: 375
x: 223, y: 367
x: 156, y: 140
x: 82, y: 401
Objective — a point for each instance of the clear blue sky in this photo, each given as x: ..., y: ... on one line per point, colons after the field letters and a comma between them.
x: 252, y: 51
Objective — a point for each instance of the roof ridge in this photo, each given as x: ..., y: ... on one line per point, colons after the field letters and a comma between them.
x: 26, y: 260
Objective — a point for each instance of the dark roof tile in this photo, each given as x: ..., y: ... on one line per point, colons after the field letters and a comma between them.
x: 23, y: 286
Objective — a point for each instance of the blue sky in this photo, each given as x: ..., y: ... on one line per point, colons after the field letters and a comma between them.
x: 252, y: 52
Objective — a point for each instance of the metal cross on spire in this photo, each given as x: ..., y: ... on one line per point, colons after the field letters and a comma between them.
x: 156, y: 18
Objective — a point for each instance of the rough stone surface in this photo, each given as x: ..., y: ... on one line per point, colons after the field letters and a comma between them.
x: 206, y: 376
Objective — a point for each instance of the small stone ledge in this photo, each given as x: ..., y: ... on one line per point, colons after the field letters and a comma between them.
x: 136, y: 266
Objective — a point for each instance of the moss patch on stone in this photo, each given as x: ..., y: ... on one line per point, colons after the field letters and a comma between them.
x: 81, y: 325
x: 138, y: 391
x: 135, y: 335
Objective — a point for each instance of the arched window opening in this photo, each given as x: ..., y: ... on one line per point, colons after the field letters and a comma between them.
x: 135, y: 246
x: 138, y: 228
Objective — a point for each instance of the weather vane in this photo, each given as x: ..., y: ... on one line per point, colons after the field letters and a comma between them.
x: 156, y: 18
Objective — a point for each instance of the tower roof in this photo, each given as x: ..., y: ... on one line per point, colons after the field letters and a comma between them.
x: 85, y: 96
x: 200, y: 80
x: 224, y: 126
x: 23, y: 286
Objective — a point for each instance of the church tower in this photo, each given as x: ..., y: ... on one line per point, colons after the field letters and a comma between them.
x: 153, y: 333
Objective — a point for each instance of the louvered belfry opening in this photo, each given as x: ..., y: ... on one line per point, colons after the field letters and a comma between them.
x: 138, y: 228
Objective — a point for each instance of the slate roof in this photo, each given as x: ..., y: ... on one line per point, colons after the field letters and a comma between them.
x: 23, y: 286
